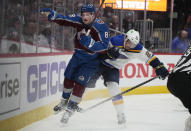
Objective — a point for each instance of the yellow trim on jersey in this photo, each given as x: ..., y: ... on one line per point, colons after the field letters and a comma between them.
x: 154, y: 57
x: 134, y: 51
x: 118, y: 102
x: 120, y: 46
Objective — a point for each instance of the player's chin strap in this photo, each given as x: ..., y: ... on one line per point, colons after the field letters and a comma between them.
x: 110, y: 98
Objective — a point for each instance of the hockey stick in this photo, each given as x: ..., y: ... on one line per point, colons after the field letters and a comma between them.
x: 96, y: 15
x: 128, y: 90
x: 117, y: 31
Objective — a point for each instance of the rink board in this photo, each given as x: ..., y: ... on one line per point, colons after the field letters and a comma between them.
x: 33, y: 85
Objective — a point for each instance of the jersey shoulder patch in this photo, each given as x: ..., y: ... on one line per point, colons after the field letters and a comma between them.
x: 100, y: 21
x: 72, y: 15
x: 100, y: 26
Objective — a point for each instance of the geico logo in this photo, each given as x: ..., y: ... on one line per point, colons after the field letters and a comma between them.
x: 44, y: 80
x: 9, y: 87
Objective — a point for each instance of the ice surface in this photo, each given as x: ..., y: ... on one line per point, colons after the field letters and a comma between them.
x: 156, y: 112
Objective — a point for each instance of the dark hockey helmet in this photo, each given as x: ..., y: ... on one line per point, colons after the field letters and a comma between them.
x: 88, y: 8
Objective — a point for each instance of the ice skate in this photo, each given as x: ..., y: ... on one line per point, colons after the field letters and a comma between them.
x: 69, y: 111
x: 61, y: 106
x: 188, y: 124
x: 121, y: 120
x: 67, y: 114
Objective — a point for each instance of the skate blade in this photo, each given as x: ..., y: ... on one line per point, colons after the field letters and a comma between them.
x: 122, y: 126
x: 64, y: 122
x: 57, y: 112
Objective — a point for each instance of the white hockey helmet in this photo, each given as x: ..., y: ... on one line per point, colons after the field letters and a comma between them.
x: 133, y: 36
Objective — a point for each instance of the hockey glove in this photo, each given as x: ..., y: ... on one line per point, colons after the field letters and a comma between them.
x: 87, y: 41
x: 113, y: 52
x: 160, y: 70
x: 51, y: 13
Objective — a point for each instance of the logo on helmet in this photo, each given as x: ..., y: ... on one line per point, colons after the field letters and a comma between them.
x: 133, y: 36
x: 88, y: 8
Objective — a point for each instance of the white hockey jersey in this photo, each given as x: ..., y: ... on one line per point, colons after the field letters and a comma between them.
x: 139, y: 52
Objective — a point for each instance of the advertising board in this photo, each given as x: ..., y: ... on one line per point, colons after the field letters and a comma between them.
x: 151, y: 5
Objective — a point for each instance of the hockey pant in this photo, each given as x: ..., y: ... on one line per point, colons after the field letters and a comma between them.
x: 77, y: 75
x: 179, y: 84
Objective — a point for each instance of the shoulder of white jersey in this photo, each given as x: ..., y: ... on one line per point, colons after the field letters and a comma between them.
x: 137, y: 48
x: 100, y: 25
x: 117, y: 40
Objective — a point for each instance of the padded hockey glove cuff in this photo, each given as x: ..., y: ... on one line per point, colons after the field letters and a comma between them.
x: 160, y: 70
x: 154, y: 63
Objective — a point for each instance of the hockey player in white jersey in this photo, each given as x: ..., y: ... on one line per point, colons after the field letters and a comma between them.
x: 179, y: 83
x: 124, y: 48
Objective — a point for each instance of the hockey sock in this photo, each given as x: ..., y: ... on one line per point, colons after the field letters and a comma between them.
x: 77, y: 93
x: 118, y: 102
x: 68, y: 87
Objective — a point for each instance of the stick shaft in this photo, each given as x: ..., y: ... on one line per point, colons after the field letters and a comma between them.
x: 117, y: 31
x: 128, y: 90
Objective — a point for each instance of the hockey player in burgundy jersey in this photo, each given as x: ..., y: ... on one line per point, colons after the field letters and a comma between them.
x: 84, y: 62
x: 179, y: 83
x: 124, y: 48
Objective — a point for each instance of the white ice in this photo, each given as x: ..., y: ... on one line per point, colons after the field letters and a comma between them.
x: 156, y: 112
